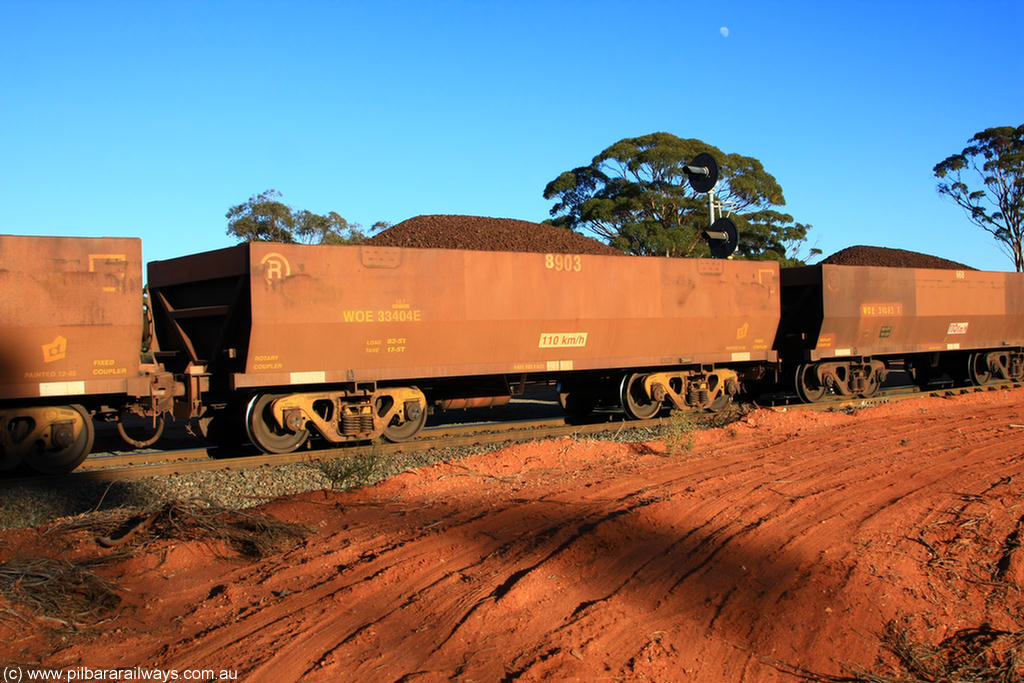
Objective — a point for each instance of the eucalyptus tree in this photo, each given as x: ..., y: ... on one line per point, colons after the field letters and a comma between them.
x: 986, y: 179
x: 265, y: 218
x: 635, y: 196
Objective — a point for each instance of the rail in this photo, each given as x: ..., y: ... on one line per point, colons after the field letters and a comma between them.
x: 134, y: 466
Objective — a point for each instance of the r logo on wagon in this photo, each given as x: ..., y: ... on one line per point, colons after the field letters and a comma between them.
x: 275, y: 267
x: 957, y: 328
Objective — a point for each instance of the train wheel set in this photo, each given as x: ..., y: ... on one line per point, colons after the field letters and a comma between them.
x: 54, y: 439
x: 281, y: 423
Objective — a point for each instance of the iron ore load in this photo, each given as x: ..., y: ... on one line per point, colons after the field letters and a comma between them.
x: 274, y: 344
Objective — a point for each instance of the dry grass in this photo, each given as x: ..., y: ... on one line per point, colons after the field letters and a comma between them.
x: 252, y: 535
x: 66, y: 592
x: 71, y: 594
x: 363, y: 468
x: 973, y: 655
x: 971, y: 547
x: 973, y: 543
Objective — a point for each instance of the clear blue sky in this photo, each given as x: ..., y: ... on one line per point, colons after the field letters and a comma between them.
x: 152, y: 118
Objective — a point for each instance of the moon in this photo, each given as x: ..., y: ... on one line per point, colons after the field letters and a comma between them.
x: 724, y: 31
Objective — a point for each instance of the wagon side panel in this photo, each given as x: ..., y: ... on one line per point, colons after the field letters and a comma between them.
x: 334, y: 314
x: 70, y: 315
x: 894, y: 311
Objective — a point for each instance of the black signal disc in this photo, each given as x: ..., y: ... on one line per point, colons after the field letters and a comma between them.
x: 700, y: 182
x: 723, y: 238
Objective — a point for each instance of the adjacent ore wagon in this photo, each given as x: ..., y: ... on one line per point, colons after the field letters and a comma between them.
x: 842, y: 326
x: 70, y: 332
x: 352, y: 342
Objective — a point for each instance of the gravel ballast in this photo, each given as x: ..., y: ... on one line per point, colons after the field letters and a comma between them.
x: 43, y: 501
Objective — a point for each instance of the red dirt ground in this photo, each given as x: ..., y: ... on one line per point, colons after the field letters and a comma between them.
x: 789, y: 539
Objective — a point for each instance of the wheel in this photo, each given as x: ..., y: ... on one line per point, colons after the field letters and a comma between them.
x: 399, y: 431
x: 977, y: 370
x: 808, y: 387
x: 577, y: 405
x: 637, y: 404
x: 147, y: 434
x: 263, y: 431
x: 871, y: 385
x: 68, y: 450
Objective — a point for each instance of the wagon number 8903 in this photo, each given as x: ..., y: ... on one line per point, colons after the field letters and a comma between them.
x: 564, y: 263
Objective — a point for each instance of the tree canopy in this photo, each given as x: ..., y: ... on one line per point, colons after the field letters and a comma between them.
x: 986, y: 179
x: 264, y: 218
x: 635, y: 196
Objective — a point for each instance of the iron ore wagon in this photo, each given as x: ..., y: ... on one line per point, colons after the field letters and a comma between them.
x: 355, y: 342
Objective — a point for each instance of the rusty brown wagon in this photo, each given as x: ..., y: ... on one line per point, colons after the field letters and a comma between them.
x: 843, y: 326
x: 70, y: 330
x: 354, y: 342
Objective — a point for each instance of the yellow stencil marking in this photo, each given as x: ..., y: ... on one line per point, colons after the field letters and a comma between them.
x: 116, y: 258
x: 55, y: 350
x: 119, y: 259
x: 555, y: 340
x: 881, y: 310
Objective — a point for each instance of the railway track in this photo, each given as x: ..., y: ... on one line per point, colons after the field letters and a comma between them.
x: 140, y: 465
x: 131, y: 466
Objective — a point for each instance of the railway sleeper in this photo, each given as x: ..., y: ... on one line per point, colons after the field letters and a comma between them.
x: 281, y: 423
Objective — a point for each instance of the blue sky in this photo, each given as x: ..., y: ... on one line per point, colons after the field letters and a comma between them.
x: 150, y: 119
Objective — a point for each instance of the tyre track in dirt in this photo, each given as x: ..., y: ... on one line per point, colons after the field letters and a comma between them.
x: 787, y: 537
